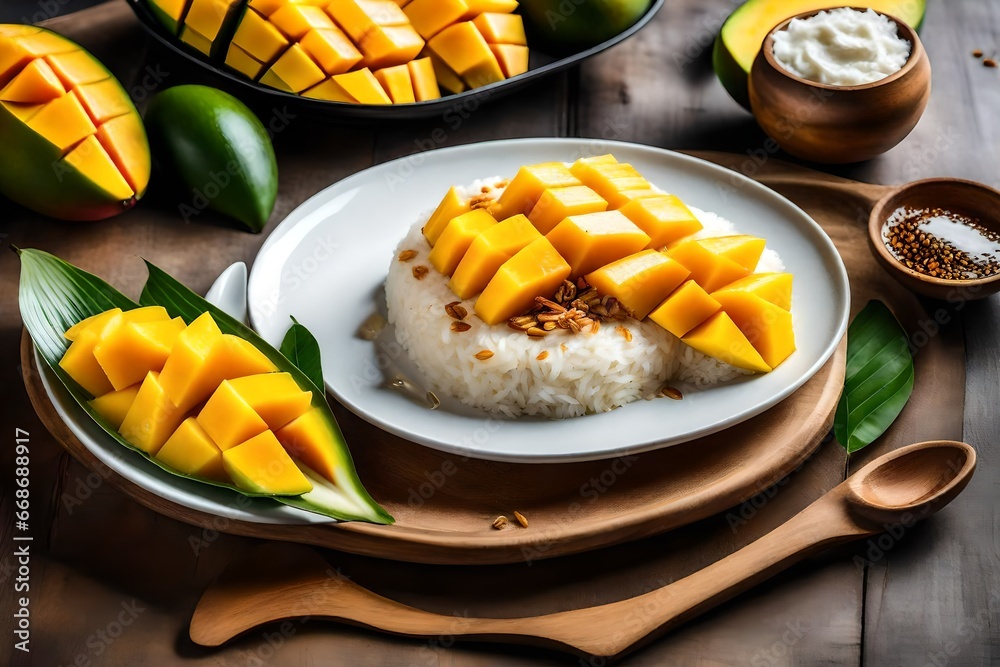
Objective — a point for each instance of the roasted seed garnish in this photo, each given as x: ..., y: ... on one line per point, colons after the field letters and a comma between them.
x: 549, y: 326
x: 521, y: 519
x: 484, y: 189
x: 459, y: 327
x: 483, y: 355
x: 500, y: 522
x: 372, y: 326
x: 536, y: 332
x: 566, y: 292
x: 563, y: 347
x: 989, y: 62
x: 456, y: 310
x: 420, y: 271
x: 407, y: 255
x: 550, y: 304
x: 543, y: 355
x: 671, y: 392
x: 978, y: 53
x: 481, y: 201
x: 626, y: 334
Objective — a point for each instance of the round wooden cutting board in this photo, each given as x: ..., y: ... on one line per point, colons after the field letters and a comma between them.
x: 445, y: 504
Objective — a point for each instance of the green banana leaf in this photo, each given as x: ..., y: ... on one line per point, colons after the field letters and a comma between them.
x: 301, y: 348
x: 879, y: 377
x: 54, y: 295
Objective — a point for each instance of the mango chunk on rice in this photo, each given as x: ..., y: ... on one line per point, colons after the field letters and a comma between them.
x: 535, y: 270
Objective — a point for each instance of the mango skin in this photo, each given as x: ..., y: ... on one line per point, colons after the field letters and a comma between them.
x: 218, y: 149
x: 590, y: 23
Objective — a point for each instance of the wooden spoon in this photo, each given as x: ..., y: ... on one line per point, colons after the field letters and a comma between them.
x: 284, y: 582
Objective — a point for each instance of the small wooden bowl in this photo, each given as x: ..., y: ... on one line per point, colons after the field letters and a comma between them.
x: 966, y: 198
x: 839, y: 124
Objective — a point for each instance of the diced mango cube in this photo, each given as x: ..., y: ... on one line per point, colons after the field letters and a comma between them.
x: 687, y: 306
x: 513, y: 59
x: 332, y: 49
x: 452, y: 206
x: 396, y: 82
x: 488, y: 252
x: 295, y: 20
x: 719, y: 337
x: 259, y: 38
x: 640, y: 282
x: 133, y: 349
x: 425, y: 85
x: 363, y: 86
x: 35, y: 84
x: 359, y: 17
x: 773, y: 287
x: 91, y: 159
x: 114, y: 405
x: 608, y: 179
x: 294, y: 71
x: 266, y: 7
x: 63, y: 122
x: 261, y: 465
x: 429, y: 17
x: 329, y: 90
x: 276, y: 397
x: 77, y: 68
x: 446, y: 77
x: 527, y: 186
x: 591, y: 240
x: 81, y: 365
x: 196, y: 40
x: 768, y: 327
x: 104, y: 100
x: 503, y: 28
x: 465, y: 51
x: 708, y: 269
x: 191, y: 451
x: 743, y: 249
x: 536, y: 270
x: 243, y: 62
x: 477, y: 7
x: 97, y: 321
x: 169, y: 12
x: 228, y: 418
x: 124, y: 138
x: 386, y: 46
x: 664, y: 218
x: 308, y: 439
x: 206, y: 17
x: 456, y: 239
x: 152, y: 418
x: 557, y: 204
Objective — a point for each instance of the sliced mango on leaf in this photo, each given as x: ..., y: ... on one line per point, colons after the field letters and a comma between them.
x: 58, y: 299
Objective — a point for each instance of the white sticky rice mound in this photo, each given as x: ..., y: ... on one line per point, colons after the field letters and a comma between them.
x: 582, y: 373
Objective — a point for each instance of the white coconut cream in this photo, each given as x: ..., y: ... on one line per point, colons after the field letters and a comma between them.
x: 842, y: 47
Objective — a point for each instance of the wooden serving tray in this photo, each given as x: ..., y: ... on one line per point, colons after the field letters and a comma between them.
x: 445, y: 504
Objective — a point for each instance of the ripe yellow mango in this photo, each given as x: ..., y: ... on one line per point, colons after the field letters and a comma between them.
x: 536, y: 270
x: 501, y: 28
x: 446, y: 76
x: 261, y: 465
x: 720, y: 338
x: 488, y: 252
x: 773, y: 287
x: 640, y: 282
x: 359, y: 17
x: 152, y: 417
x: 452, y: 206
x: 425, y: 85
x: 357, y: 87
x: 239, y: 60
x: 332, y: 50
x: 743, y: 249
x: 115, y: 405
x: 767, y: 326
x: 710, y: 270
x: 513, y: 59
x: 37, y: 83
x: 259, y: 37
x: 228, y: 418
x: 306, y: 438
x: 609, y: 179
x: 664, y: 218
x: 527, y: 186
x: 456, y: 239
x: 276, y: 397
x: 191, y: 451
x: 385, y: 46
x: 397, y: 84
x: 293, y: 72
x: 98, y: 321
x: 462, y: 48
x: 131, y: 350
x: 296, y: 20
x: 591, y: 240
x: 557, y: 204
x: 685, y: 308
x: 429, y: 17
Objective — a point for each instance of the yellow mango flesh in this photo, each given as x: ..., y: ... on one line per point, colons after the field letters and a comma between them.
x: 35, y: 84
x: 133, y: 349
x: 446, y: 76
x: 331, y: 91
x: 429, y: 17
x: 98, y: 321
x: 332, y: 50
x: 206, y: 17
x: 708, y: 269
x: 464, y: 50
x: 228, y: 418
x: 63, y: 122
x: 557, y: 204
x: 527, y: 186
x: 125, y: 141
x: 261, y: 465
x: 513, y: 59
x: 720, y: 338
x: 104, y: 100
x: 501, y: 28
x: 488, y: 252
x: 396, y: 82
x: 191, y: 451
x: 306, y: 438
x: 296, y: 20
x: 152, y: 417
x: 686, y: 307
x: 608, y: 179
x: 362, y: 86
x: 590, y: 241
x: 359, y: 17
x: 742, y: 249
x: 767, y: 326
x: 536, y: 270
x: 293, y: 72
x: 276, y: 397
x: 76, y: 68
x: 452, y: 206
x: 259, y: 38
x: 425, y: 85
x: 664, y: 218
x: 243, y: 62
x: 89, y: 157
x: 477, y: 7
x: 773, y: 287
x: 456, y: 239
x: 196, y: 40
x: 386, y: 46
x: 640, y: 282
x: 115, y: 405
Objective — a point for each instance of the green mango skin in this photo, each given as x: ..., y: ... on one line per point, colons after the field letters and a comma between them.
x: 580, y: 24
x: 220, y: 151
x: 735, y: 79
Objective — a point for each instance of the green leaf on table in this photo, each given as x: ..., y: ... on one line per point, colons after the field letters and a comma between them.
x: 301, y: 348
x: 879, y: 377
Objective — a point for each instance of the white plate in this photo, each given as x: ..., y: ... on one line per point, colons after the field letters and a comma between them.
x: 326, y: 264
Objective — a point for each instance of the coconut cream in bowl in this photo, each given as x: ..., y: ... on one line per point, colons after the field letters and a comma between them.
x: 840, y: 85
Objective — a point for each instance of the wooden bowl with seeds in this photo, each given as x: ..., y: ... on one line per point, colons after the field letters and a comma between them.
x: 940, y: 238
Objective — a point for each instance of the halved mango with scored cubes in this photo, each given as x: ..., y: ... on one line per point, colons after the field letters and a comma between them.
x: 74, y: 145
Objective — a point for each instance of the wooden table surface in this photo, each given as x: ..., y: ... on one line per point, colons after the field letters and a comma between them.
x: 112, y: 583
